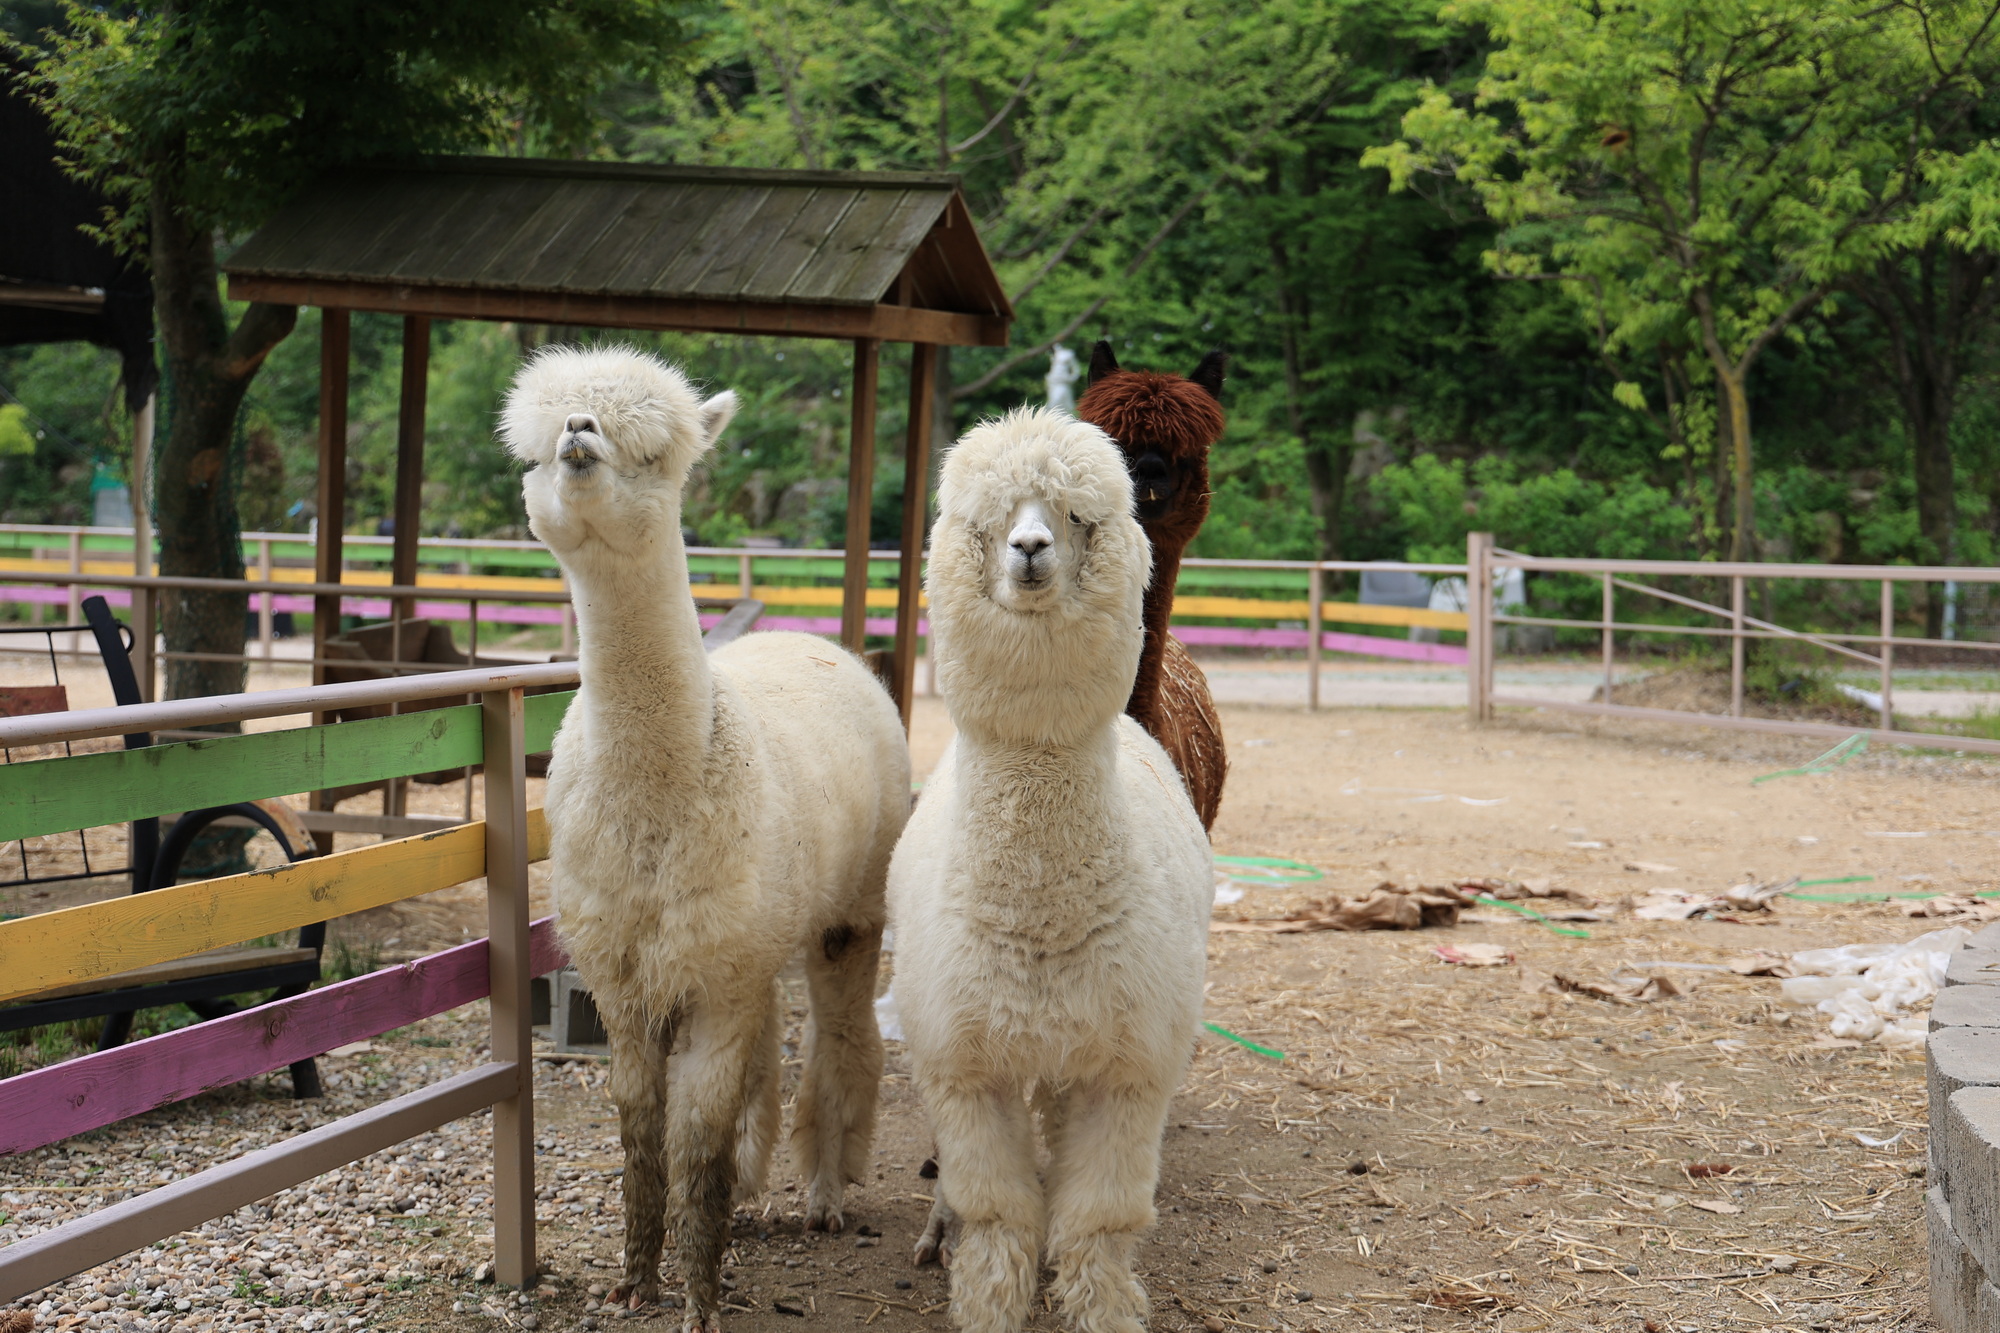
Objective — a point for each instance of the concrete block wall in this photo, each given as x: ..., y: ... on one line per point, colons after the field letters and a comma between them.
x: 1963, y: 1079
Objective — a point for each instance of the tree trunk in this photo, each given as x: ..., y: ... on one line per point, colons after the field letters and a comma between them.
x: 1742, y: 479
x: 198, y: 462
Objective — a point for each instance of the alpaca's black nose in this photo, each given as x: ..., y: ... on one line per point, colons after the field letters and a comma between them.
x: 1031, y: 543
x: 582, y: 421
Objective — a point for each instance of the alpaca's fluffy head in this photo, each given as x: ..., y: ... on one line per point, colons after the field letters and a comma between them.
x: 1165, y: 426
x: 1037, y: 575
x: 610, y: 435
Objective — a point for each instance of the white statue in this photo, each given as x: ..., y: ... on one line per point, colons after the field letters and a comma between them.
x: 1062, y: 375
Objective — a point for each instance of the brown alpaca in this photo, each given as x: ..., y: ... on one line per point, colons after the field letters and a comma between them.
x: 1165, y: 426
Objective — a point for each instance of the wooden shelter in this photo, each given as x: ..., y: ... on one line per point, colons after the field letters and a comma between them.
x: 869, y: 257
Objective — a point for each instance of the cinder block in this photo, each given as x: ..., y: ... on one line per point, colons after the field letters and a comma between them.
x: 1955, y: 1276
x: 1973, y: 967
x: 1970, y: 1154
x: 1966, y: 1007
x: 1988, y: 938
x: 576, y: 1025
x: 1956, y: 1058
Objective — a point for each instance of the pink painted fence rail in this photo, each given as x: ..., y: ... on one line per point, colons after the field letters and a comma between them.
x: 48, y: 1105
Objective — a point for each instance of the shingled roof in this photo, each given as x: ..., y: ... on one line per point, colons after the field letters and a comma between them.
x: 844, y: 254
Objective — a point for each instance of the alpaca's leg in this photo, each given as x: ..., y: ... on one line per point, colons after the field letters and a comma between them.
x: 1104, y: 1161
x: 939, y: 1242
x: 835, y: 1120
x: 986, y: 1175
x: 706, y: 1084
x: 639, y: 1090
x: 758, y: 1130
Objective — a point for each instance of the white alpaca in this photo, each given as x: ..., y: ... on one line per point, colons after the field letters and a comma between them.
x: 1051, y: 894
x: 709, y: 817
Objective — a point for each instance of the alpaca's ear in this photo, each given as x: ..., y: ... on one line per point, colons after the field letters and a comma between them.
x: 715, y: 417
x: 1209, y: 373
x: 1102, y: 361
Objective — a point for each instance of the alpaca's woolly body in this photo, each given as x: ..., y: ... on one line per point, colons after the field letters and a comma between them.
x: 1051, y: 893
x: 709, y: 817
x: 1177, y: 420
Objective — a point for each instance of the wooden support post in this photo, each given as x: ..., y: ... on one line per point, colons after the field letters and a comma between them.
x: 1479, y: 624
x: 75, y: 588
x: 1315, y: 593
x: 265, y: 612
x: 142, y: 546
x: 1736, y: 646
x: 506, y: 789
x: 1888, y: 655
x: 916, y: 494
x: 860, y: 493
x: 409, y: 513
x: 332, y: 498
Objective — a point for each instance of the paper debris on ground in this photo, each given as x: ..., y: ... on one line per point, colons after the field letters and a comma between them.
x: 1870, y: 991
x: 1954, y: 907
x: 1682, y: 905
x: 1520, y: 890
x: 1761, y: 963
x: 1475, y: 955
x: 1386, y: 907
x: 1652, y: 868
x: 1619, y: 990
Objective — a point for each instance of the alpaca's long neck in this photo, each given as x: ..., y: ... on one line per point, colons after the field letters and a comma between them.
x: 1045, y: 820
x: 1144, y: 705
x: 639, y: 649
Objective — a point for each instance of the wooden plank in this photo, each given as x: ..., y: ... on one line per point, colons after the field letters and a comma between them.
x: 210, y: 964
x: 29, y: 1265
x: 734, y: 211
x: 553, y: 216
x: 650, y: 225
x: 39, y: 953
x: 868, y: 249
x: 48, y: 1105
x: 503, y: 207
x: 599, y: 206
x: 614, y: 310
x: 860, y: 493
x: 510, y: 965
x: 1335, y: 613
x: 788, y: 254
x: 87, y: 723
x: 428, y: 212
x: 916, y: 485
x: 409, y: 498
x: 739, y: 257
x: 544, y: 714
x: 90, y: 790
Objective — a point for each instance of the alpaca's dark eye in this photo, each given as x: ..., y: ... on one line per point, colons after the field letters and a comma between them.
x: 1077, y: 519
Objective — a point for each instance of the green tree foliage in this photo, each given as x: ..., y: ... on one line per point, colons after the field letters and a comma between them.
x: 199, y: 118
x: 1706, y: 170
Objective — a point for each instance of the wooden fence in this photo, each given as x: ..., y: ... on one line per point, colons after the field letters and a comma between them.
x: 84, y: 944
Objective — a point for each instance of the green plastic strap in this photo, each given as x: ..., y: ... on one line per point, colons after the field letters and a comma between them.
x: 1268, y: 871
x: 1531, y: 912
x: 1838, y: 755
x: 1244, y: 1042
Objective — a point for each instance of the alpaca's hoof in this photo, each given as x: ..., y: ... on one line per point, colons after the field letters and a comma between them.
x: 708, y: 1323
x: 825, y: 1217
x: 634, y: 1295
x: 940, y: 1238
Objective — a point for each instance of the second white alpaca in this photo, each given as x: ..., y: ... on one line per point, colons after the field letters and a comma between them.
x: 708, y: 818
x: 1051, y: 893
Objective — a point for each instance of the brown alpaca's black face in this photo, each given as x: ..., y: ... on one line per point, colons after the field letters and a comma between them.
x: 1153, y: 485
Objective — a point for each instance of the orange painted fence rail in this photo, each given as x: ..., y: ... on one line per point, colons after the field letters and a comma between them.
x: 97, y: 940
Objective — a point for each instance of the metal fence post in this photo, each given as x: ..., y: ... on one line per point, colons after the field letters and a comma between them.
x: 506, y: 789
x: 1608, y: 604
x: 1736, y: 645
x: 1314, y: 593
x: 1888, y: 654
x: 265, y: 611
x: 1479, y: 624
x: 75, y: 589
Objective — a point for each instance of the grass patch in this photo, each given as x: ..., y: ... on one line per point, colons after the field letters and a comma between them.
x: 346, y: 961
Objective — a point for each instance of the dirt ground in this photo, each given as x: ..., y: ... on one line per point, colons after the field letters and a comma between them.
x: 1440, y: 1148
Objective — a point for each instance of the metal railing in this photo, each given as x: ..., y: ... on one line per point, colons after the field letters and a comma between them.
x: 1740, y: 628
x: 1289, y: 614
